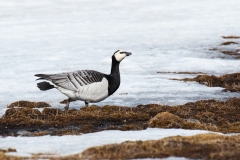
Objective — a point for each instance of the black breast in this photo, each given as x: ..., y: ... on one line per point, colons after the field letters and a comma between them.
x: 113, y: 83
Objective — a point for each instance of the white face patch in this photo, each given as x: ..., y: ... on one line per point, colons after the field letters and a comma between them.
x: 120, y: 56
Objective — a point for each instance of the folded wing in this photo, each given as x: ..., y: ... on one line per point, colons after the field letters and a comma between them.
x: 73, y: 80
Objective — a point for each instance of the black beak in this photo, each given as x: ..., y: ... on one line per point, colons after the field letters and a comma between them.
x: 128, y: 53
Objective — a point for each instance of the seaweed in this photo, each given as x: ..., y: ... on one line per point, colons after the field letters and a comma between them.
x: 202, y: 146
x: 209, y: 115
x: 231, y: 82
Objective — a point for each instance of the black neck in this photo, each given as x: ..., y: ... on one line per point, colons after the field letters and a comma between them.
x: 114, y: 77
x: 115, y: 66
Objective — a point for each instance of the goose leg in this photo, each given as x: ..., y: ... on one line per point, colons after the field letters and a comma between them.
x: 67, y: 105
x: 86, y: 104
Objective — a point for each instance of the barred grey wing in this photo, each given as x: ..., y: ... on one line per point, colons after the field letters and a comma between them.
x: 74, y: 80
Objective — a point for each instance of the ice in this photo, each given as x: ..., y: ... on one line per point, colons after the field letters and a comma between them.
x: 53, y: 36
x: 61, y: 36
x: 68, y: 145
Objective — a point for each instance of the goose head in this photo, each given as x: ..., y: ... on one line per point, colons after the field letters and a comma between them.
x: 121, y: 54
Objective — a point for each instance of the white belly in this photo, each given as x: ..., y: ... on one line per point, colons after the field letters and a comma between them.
x: 94, y: 92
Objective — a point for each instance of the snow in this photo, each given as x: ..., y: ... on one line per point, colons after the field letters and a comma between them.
x: 61, y: 36
x: 68, y: 145
x: 53, y: 36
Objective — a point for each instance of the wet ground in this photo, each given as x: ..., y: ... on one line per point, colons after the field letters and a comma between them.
x: 210, y: 115
x: 203, y: 146
x: 23, y: 118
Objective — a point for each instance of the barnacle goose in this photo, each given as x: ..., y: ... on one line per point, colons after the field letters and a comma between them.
x: 85, y: 85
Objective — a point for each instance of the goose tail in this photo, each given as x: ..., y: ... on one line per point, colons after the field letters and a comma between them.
x: 43, y: 86
x: 43, y: 76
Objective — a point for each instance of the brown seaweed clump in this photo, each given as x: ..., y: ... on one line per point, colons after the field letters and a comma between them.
x: 28, y: 104
x: 229, y: 43
x: 231, y: 82
x: 210, y: 115
x: 169, y: 120
x: 229, y: 52
x: 202, y: 146
x: 160, y: 72
x: 166, y: 120
x: 231, y: 37
x: 66, y: 100
x: 32, y: 122
x: 8, y: 150
x: 3, y: 156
